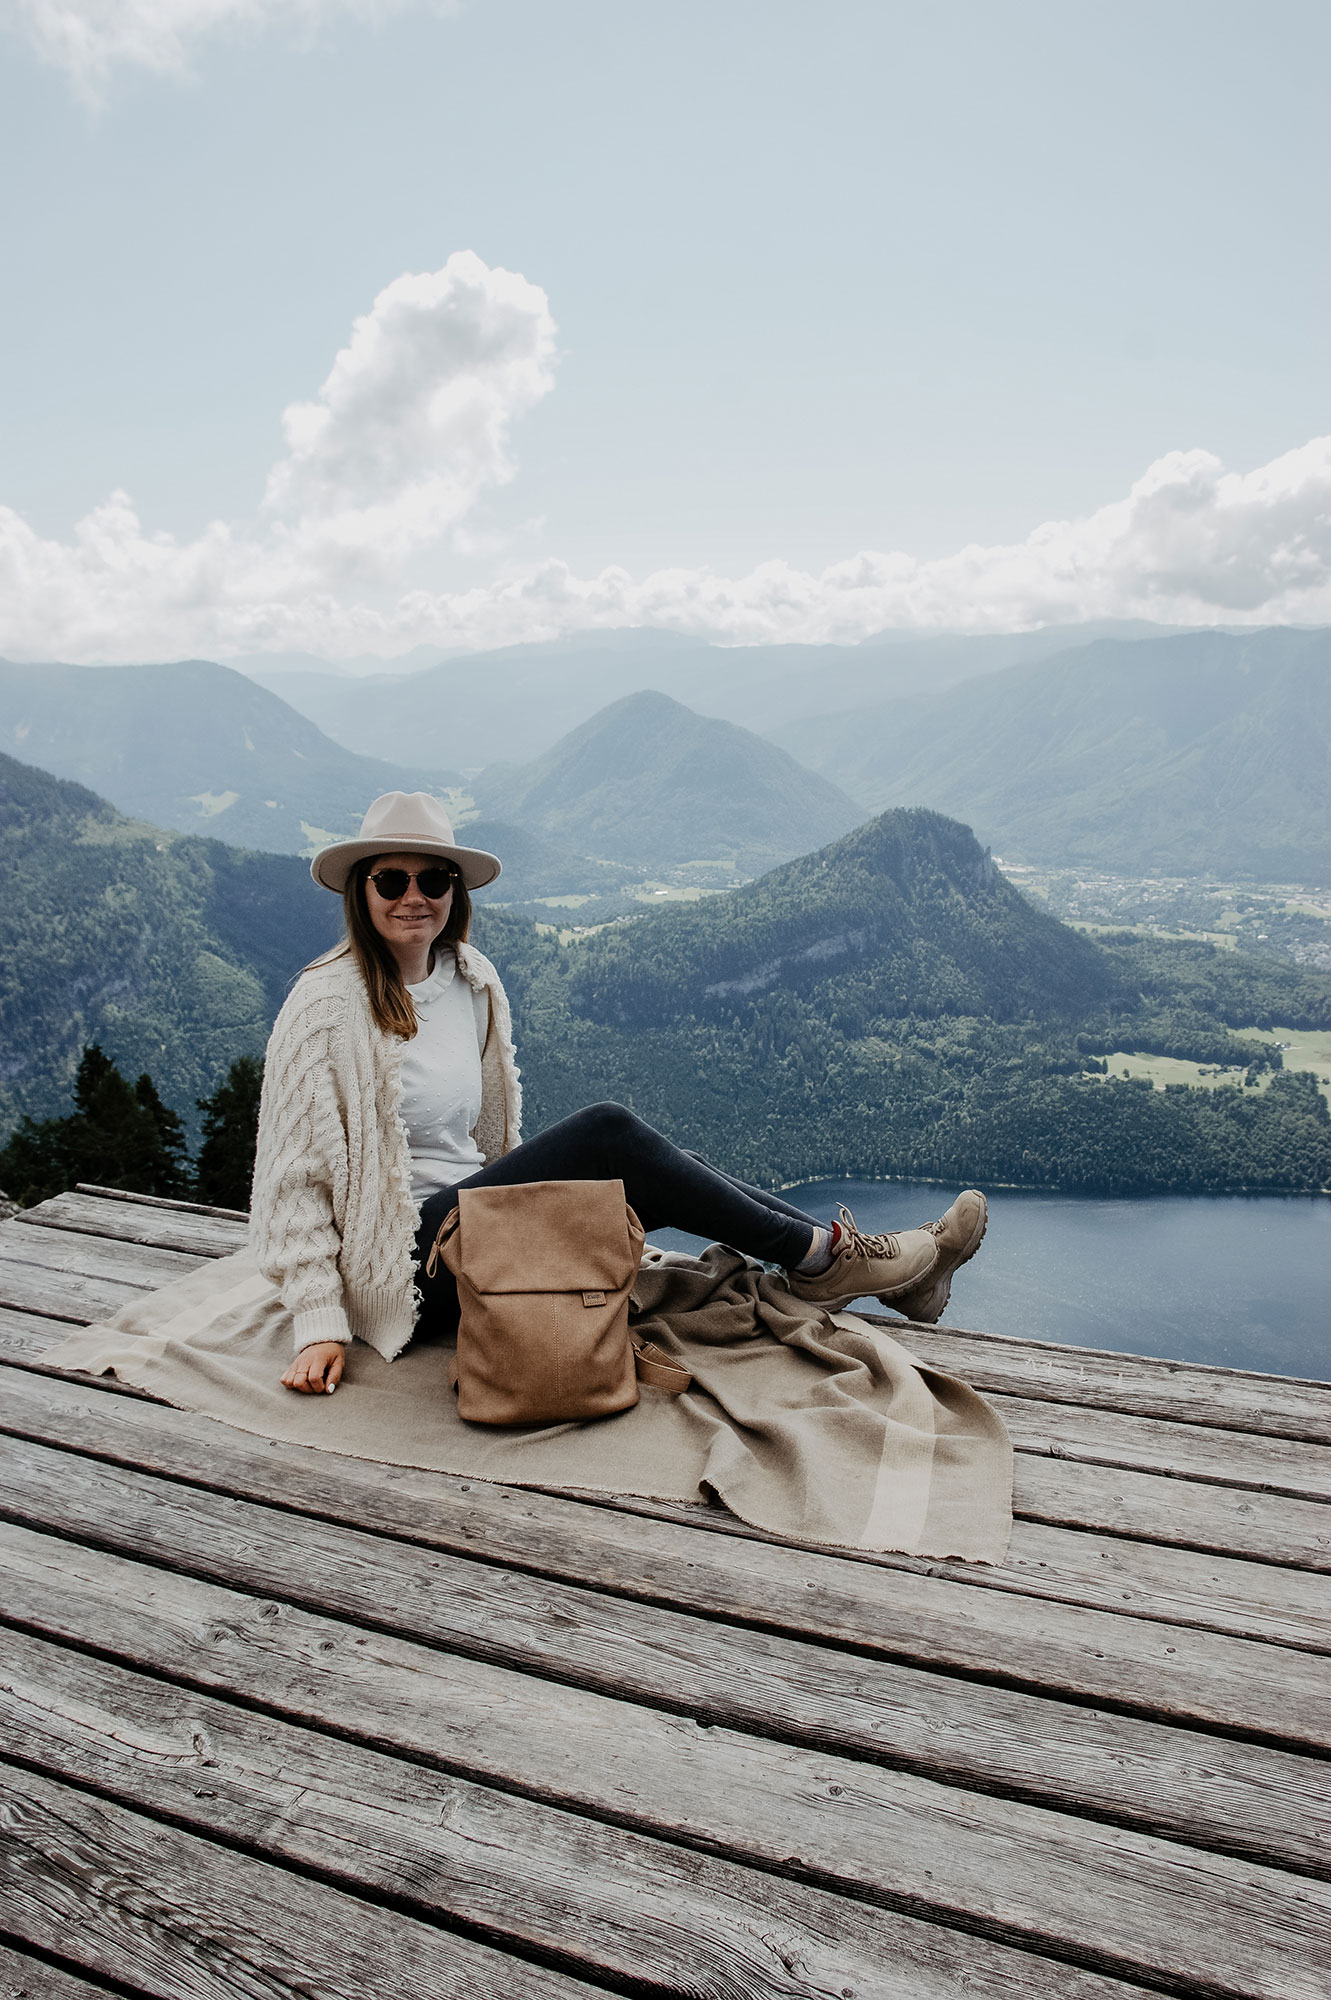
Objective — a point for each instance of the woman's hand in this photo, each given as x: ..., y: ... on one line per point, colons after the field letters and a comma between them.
x: 316, y: 1370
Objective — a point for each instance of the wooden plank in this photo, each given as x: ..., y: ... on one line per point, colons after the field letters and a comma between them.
x: 1151, y: 1507
x: 62, y: 1295
x: 1155, y: 1444
x: 1143, y: 1580
x: 1111, y: 1502
x: 200, y: 1235
x: 25, y: 1978
x: 947, y: 1616
x: 998, y: 1737
x: 618, y: 1903
x: 60, y: 1252
x: 169, y: 1914
x: 603, y: 1539
x: 160, y: 1201
x: 1099, y: 1571
x: 1173, y: 1586
x: 25, y: 1337
x: 1235, y: 1797
x: 1146, y: 1385
x: 595, y: 1539
x: 1114, y: 1900
x: 1113, y: 1506
x: 1149, y: 1386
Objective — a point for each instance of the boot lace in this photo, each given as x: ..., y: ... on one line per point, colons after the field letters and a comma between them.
x: 856, y: 1241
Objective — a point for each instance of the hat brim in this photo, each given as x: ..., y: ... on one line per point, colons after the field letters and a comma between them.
x: 331, y: 866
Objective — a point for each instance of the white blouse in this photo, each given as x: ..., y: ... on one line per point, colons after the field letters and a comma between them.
x: 441, y: 1078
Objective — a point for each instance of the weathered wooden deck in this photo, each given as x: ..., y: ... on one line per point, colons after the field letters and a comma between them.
x: 276, y: 1722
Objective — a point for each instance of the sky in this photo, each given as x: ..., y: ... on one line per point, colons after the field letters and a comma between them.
x: 349, y: 328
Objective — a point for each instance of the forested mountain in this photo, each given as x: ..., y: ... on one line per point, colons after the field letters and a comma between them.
x: 1208, y: 753
x: 650, y: 783
x: 907, y: 908
x: 513, y: 703
x: 892, y: 1006
x: 172, y: 952
x: 197, y: 747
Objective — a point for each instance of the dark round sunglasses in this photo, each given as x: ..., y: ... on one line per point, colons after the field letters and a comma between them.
x: 433, y: 883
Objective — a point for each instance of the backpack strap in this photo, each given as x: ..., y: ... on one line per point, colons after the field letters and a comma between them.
x: 448, y: 1227
x: 660, y: 1369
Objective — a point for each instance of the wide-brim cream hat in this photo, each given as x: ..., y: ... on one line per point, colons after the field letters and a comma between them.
x: 403, y: 823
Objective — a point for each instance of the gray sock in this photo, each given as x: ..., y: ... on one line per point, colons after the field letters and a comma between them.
x: 819, y: 1256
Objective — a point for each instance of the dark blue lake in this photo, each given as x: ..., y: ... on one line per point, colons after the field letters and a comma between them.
x: 1241, y: 1281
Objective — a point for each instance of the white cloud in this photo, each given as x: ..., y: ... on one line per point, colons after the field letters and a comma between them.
x: 412, y: 423
x: 412, y: 426
x: 90, y: 38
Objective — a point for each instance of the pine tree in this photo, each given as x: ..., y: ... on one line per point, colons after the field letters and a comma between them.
x: 118, y: 1135
x: 230, y: 1122
x: 166, y: 1123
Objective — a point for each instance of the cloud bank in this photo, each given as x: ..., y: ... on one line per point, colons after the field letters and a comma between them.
x: 413, y: 426
x: 88, y: 39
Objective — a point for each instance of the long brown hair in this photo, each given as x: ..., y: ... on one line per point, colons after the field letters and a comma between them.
x: 390, y: 1002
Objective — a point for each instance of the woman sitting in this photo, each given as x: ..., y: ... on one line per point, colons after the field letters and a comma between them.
x: 390, y: 1083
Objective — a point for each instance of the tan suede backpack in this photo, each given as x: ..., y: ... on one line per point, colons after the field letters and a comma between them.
x: 544, y: 1273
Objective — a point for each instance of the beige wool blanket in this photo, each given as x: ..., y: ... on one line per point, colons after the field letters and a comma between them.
x: 817, y: 1428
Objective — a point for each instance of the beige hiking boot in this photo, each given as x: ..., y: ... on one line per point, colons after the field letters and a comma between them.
x: 958, y: 1235
x: 863, y: 1265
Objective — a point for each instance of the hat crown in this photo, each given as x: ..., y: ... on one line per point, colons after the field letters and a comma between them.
x: 401, y: 819
x: 403, y: 823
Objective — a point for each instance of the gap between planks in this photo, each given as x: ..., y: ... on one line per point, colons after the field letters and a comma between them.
x: 23, y: 1977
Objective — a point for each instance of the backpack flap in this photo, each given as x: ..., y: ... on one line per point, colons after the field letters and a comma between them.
x: 546, y: 1236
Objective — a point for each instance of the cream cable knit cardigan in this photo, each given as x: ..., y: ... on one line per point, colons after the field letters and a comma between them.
x: 332, y: 1221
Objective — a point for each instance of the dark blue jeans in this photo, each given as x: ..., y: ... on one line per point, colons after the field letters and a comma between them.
x: 666, y: 1187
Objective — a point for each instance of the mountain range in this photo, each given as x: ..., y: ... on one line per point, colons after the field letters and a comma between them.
x: 1204, y: 753
x: 199, y: 748
x: 512, y: 704
x: 650, y: 783
x: 1184, y: 754
x: 646, y: 784
x: 887, y: 1005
